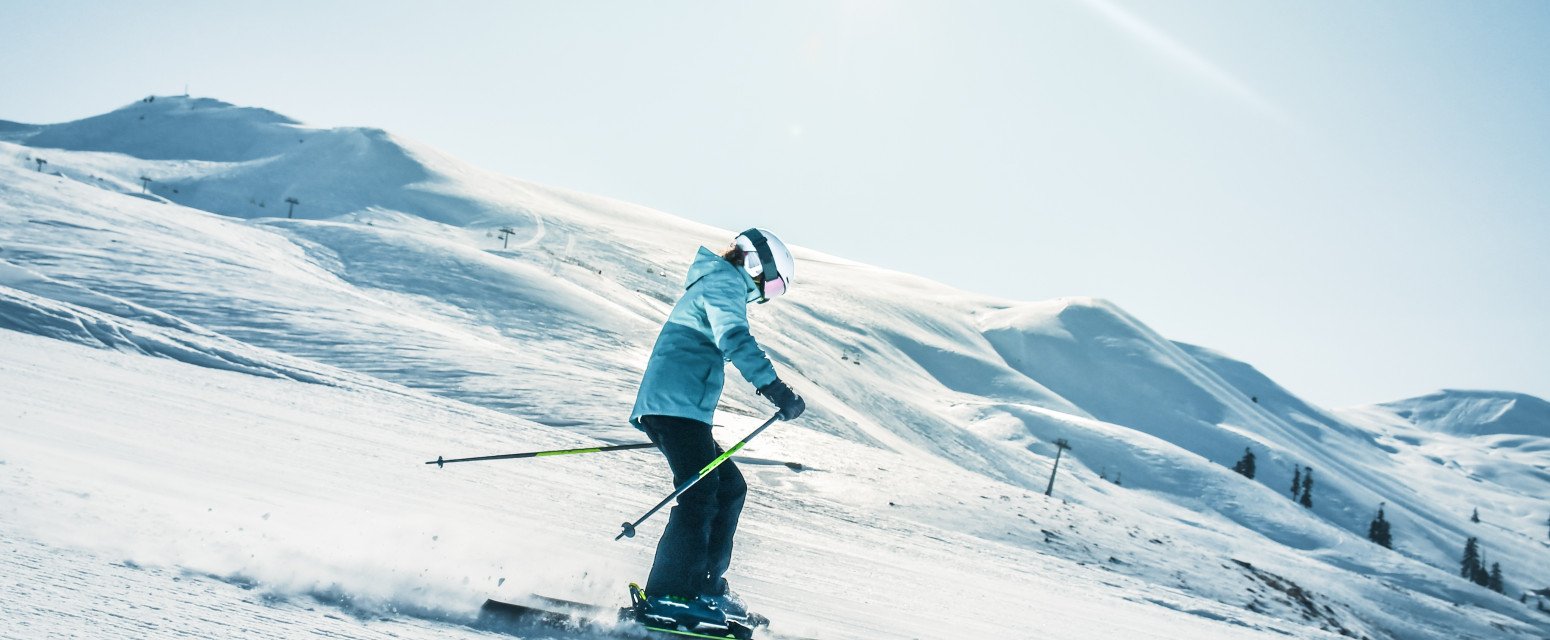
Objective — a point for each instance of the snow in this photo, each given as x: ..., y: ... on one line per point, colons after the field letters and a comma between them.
x: 228, y: 410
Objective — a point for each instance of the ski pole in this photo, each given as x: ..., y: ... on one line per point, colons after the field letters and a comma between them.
x: 539, y: 454
x: 629, y: 527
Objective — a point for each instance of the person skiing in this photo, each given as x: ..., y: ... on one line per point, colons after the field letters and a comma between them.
x: 674, y: 406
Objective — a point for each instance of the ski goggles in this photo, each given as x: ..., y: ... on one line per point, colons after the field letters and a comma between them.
x: 771, y: 283
x: 771, y: 288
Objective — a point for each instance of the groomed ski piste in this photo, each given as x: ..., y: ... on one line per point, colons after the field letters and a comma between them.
x: 214, y: 421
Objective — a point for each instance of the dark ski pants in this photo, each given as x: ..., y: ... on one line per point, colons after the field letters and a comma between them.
x: 696, y: 547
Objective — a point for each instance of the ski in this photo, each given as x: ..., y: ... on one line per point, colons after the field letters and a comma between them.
x: 496, y: 615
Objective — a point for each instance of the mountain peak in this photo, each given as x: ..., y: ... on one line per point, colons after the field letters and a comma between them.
x: 205, y: 107
x: 173, y: 128
x: 1476, y: 412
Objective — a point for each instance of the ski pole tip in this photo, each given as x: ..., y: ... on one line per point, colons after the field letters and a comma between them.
x: 628, y: 532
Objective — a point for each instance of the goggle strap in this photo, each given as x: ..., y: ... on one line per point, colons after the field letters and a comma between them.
x: 766, y: 257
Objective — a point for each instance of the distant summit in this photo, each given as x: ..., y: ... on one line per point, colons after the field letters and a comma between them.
x: 246, y: 162
x: 1475, y: 413
x: 168, y: 128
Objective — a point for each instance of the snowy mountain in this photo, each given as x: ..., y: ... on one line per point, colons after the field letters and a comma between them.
x: 227, y: 409
x: 1474, y: 413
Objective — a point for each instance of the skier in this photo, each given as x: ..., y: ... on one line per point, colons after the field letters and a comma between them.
x: 677, y: 398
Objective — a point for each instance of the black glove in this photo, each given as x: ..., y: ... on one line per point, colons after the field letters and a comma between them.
x: 791, y: 404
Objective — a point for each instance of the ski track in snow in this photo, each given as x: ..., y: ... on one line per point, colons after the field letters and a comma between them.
x: 192, y: 388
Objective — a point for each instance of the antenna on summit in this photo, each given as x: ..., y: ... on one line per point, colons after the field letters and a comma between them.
x: 185, y: 89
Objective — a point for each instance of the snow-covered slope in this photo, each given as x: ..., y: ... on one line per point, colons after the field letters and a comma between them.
x: 476, y: 313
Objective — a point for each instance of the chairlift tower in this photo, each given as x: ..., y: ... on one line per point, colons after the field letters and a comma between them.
x: 1060, y: 447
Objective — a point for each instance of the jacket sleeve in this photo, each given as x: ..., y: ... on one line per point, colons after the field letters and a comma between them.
x: 726, y: 310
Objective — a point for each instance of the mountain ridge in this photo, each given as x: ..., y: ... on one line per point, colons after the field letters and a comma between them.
x: 1475, y: 412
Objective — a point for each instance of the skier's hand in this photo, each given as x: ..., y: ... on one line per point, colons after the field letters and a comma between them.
x: 791, y: 404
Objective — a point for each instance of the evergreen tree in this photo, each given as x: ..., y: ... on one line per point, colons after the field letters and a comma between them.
x: 1378, y: 531
x: 1245, y: 464
x: 1307, y: 489
x: 1469, y: 565
x: 1481, y: 577
x: 1494, y: 582
x: 1296, y: 481
x: 1475, y: 517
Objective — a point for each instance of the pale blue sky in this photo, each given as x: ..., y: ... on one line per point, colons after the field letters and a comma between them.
x: 1352, y: 196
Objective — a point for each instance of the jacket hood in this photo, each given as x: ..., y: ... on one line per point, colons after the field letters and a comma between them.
x: 707, y: 262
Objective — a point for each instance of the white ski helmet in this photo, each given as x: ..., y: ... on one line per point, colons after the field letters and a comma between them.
x: 768, y: 260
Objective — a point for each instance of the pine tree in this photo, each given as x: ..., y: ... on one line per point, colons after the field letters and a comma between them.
x: 1469, y: 565
x: 1481, y: 576
x: 1296, y: 481
x: 1475, y: 517
x: 1307, y: 489
x: 1378, y: 531
x: 1494, y: 582
x: 1245, y: 464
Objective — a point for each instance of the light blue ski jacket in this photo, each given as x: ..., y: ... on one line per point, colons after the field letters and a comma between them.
x: 707, y: 327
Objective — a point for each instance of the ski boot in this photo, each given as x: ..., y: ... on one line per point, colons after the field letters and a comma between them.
x: 733, y: 606
x: 676, y: 613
